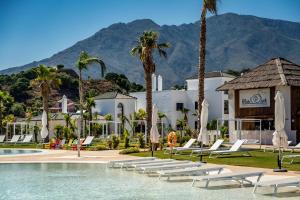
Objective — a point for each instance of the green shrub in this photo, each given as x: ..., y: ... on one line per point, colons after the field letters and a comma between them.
x: 130, y: 150
x: 115, y: 141
x: 141, y: 140
x: 224, y: 131
x: 100, y: 147
x: 126, y: 139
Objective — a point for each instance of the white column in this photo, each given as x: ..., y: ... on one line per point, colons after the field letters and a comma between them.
x: 154, y: 88
x: 159, y: 83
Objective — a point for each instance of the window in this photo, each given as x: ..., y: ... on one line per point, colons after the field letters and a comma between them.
x: 226, y: 92
x: 196, y: 105
x: 226, y: 108
x: 196, y: 125
x: 179, y: 106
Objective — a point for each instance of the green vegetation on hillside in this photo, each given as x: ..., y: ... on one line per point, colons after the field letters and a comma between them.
x: 24, y: 95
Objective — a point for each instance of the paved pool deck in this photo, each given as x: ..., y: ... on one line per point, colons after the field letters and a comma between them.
x: 68, y: 156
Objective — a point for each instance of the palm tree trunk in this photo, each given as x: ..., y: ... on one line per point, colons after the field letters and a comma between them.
x: 81, y: 112
x: 148, y: 77
x: 201, y: 72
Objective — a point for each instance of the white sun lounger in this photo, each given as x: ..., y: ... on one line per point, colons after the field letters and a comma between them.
x: 146, y: 163
x: 128, y: 164
x: 291, y: 157
x: 185, y: 164
x: 14, y: 139
x: 27, y: 139
x: 293, y: 148
x: 234, y: 148
x: 116, y: 163
x: 187, y: 146
x: 214, y: 147
x: 2, y: 137
x: 192, y: 171
x: 234, y: 176
x: 88, y: 141
x: 285, y: 182
x: 174, y: 162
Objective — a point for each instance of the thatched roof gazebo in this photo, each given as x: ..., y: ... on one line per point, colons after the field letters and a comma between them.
x: 275, y: 72
x: 251, y: 99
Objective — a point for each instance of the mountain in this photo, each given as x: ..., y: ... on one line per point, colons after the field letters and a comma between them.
x: 233, y: 42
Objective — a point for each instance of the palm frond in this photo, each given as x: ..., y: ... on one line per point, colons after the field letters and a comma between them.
x: 211, y: 6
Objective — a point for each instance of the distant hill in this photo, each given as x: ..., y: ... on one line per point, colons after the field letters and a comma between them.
x: 234, y: 42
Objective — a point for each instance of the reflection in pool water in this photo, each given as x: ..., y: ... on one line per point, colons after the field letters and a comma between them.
x: 95, y: 181
x: 17, y: 151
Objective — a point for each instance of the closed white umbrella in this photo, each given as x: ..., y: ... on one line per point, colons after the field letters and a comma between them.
x: 203, y: 135
x: 154, y: 135
x: 44, y: 131
x: 280, y: 138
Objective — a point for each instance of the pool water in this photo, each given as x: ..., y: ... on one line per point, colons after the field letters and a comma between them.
x: 17, y: 151
x: 95, y: 181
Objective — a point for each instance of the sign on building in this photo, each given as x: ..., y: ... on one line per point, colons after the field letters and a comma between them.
x: 255, y: 98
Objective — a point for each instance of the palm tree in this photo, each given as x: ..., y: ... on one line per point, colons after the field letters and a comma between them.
x: 67, y: 118
x: 82, y: 64
x: 211, y: 6
x: 5, y: 99
x: 45, y: 81
x: 147, y: 43
x: 185, y: 112
x: 181, y: 123
x: 89, y: 104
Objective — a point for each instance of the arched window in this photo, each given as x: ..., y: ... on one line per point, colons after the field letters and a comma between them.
x: 120, y: 110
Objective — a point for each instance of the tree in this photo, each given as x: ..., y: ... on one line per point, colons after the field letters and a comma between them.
x: 45, y: 81
x: 5, y: 100
x: 211, y: 6
x: 147, y: 43
x: 185, y: 112
x: 67, y: 118
x: 89, y: 104
x: 82, y: 64
x: 18, y: 110
x: 181, y: 124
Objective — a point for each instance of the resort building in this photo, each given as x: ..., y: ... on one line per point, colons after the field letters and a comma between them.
x: 117, y: 105
x: 251, y: 101
x: 172, y: 102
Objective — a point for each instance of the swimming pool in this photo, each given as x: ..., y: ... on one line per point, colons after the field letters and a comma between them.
x: 95, y: 181
x: 17, y: 151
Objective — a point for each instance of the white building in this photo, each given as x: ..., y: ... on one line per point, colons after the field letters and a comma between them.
x: 115, y: 104
x: 171, y: 102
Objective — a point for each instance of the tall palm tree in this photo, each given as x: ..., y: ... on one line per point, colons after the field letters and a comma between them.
x: 210, y: 6
x: 82, y: 64
x: 45, y: 81
x: 147, y: 43
x: 5, y: 99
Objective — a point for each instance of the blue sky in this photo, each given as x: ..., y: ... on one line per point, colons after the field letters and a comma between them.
x: 35, y: 29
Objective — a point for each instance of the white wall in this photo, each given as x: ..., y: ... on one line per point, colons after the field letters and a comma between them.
x: 166, y: 100
x: 104, y: 106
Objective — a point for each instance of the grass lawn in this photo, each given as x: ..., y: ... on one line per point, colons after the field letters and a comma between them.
x: 259, y: 159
